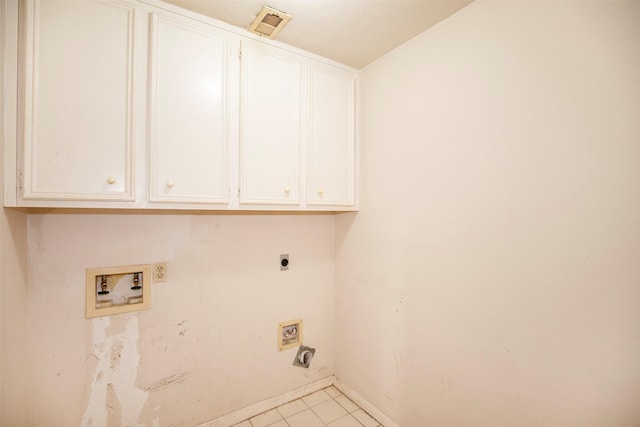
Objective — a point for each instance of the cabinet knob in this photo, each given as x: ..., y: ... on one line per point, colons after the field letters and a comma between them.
x: 111, y: 180
x: 170, y: 184
x: 287, y: 190
x: 321, y: 191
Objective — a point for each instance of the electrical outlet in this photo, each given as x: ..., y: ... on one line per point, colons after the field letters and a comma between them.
x: 160, y: 272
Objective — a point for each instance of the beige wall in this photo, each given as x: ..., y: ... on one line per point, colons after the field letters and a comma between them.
x: 207, y: 346
x: 13, y: 319
x: 13, y: 283
x: 492, y: 277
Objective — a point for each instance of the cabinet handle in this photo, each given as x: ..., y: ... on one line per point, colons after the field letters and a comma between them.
x: 170, y: 184
x: 287, y: 190
x: 111, y: 180
x: 321, y: 191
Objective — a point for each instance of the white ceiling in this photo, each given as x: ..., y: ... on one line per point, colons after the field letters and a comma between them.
x: 353, y: 32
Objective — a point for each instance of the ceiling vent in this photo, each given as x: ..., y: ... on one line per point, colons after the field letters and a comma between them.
x: 269, y: 22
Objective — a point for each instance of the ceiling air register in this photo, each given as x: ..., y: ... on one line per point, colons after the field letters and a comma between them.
x: 269, y: 22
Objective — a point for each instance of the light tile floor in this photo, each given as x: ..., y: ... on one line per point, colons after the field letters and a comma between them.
x: 324, y: 408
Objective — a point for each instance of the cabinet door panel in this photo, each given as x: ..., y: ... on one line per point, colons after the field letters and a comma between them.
x: 270, y: 116
x: 188, y: 87
x: 331, y: 153
x: 78, y: 100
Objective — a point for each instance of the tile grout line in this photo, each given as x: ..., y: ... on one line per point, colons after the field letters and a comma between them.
x: 333, y: 395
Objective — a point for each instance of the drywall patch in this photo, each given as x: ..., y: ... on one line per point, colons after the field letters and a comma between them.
x: 115, y: 375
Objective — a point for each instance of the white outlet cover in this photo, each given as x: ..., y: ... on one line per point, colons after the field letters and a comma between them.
x: 160, y: 272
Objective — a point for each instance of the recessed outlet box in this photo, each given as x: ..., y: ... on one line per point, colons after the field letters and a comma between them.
x: 114, y: 290
x: 289, y: 334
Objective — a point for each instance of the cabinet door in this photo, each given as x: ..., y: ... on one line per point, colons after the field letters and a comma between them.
x: 189, y: 103
x: 78, y: 100
x: 270, y: 123
x: 331, y: 151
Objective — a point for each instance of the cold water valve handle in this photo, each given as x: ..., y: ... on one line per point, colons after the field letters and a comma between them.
x: 103, y: 286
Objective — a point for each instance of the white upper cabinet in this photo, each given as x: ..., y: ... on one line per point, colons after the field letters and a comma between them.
x: 189, y: 111
x: 331, y: 137
x: 140, y: 104
x: 269, y: 126
x: 79, y: 100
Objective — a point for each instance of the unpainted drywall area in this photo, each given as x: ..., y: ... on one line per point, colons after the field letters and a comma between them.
x: 492, y: 276
x: 207, y: 346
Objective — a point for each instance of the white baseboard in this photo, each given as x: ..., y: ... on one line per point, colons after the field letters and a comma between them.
x: 364, y: 404
x: 268, y: 404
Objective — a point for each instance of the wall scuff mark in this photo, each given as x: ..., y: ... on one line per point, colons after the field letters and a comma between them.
x: 115, y: 375
x: 169, y: 381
